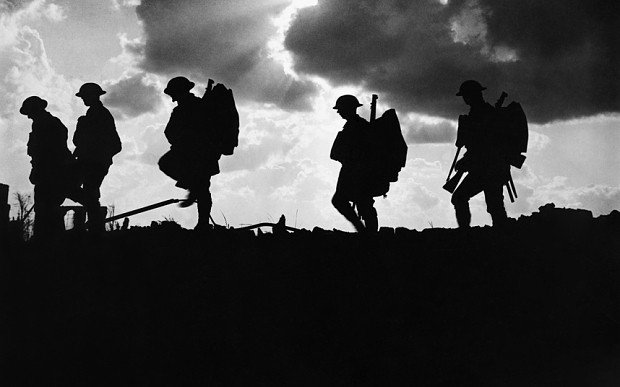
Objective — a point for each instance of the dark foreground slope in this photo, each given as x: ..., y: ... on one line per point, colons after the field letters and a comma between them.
x: 534, y: 305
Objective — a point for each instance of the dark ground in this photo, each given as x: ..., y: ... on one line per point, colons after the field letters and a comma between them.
x: 534, y: 305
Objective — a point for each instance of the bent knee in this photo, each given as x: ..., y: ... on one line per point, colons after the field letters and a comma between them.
x: 458, y: 200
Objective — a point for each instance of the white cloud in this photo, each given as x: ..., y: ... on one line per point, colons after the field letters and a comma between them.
x: 132, y: 51
x: 420, y: 167
x: 537, y: 141
x: 263, y: 194
x: 13, y: 17
x: 118, y: 4
x: 424, y: 131
x: 600, y: 199
x: 54, y: 12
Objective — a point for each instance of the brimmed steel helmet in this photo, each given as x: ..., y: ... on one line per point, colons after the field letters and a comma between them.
x: 178, y: 84
x: 469, y: 87
x: 347, y: 100
x: 32, y: 104
x: 90, y: 88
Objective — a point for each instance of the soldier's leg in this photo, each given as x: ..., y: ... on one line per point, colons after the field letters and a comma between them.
x: 494, y: 197
x: 48, y: 220
x: 74, y: 190
x: 368, y: 213
x: 190, y: 198
x: 42, y: 213
x: 193, y: 181
x: 342, y: 204
x: 205, y: 203
x: 93, y: 177
x: 58, y: 216
x: 469, y: 187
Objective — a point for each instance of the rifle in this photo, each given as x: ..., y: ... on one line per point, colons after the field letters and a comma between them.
x: 373, y: 107
x: 143, y: 209
x: 510, y: 185
x: 451, y: 184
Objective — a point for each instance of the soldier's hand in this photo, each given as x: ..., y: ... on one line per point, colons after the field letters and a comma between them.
x: 461, y: 165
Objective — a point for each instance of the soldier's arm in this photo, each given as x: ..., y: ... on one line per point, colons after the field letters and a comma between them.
x: 462, y: 131
x: 79, y: 129
x: 30, y: 146
x: 463, y: 163
x: 338, y: 151
x: 172, y: 128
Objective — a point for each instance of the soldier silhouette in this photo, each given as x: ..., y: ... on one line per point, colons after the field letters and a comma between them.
x: 96, y: 142
x: 51, y: 161
x: 194, y: 153
x: 485, y: 164
x: 352, y: 148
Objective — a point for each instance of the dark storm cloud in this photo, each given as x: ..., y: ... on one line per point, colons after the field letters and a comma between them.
x: 13, y: 5
x: 558, y: 58
x: 422, y: 133
x: 133, y: 96
x: 221, y: 39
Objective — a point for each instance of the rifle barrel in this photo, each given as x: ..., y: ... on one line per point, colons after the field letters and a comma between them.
x: 512, y: 186
x: 373, y: 107
x: 456, y: 156
x: 142, y: 209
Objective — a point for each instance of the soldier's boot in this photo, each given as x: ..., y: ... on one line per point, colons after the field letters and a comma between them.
x: 205, y: 203
x: 96, y: 217
x: 192, y: 196
x: 495, y: 208
x: 345, y: 208
x: 358, y: 224
x: 42, y: 228
x: 499, y: 218
x: 57, y: 221
x: 372, y: 224
x: 352, y: 217
x: 369, y: 215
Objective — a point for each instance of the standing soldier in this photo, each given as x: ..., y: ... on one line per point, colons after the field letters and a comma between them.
x: 96, y: 142
x: 194, y: 152
x: 353, y: 149
x: 50, y: 159
x: 485, y: 164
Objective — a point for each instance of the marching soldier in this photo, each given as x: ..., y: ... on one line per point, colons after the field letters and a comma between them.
x: 194, y: 153
x: 353, y: 149
x: 96, y: 142
x: 50, y: 159
x: 485, y: 164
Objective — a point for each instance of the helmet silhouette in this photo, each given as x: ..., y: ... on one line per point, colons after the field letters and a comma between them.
x: 32, y: 104
x: 347, y: 100
x: 469, y: 87
x: 89, y: 89
x: 178, y: 84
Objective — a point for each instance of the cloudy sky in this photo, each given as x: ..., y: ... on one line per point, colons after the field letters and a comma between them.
x: 288, y: 60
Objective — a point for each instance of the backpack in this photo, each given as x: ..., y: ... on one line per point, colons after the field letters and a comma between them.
x: 512, y: 121
x: 390, y: 152
x: 221, y: 106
